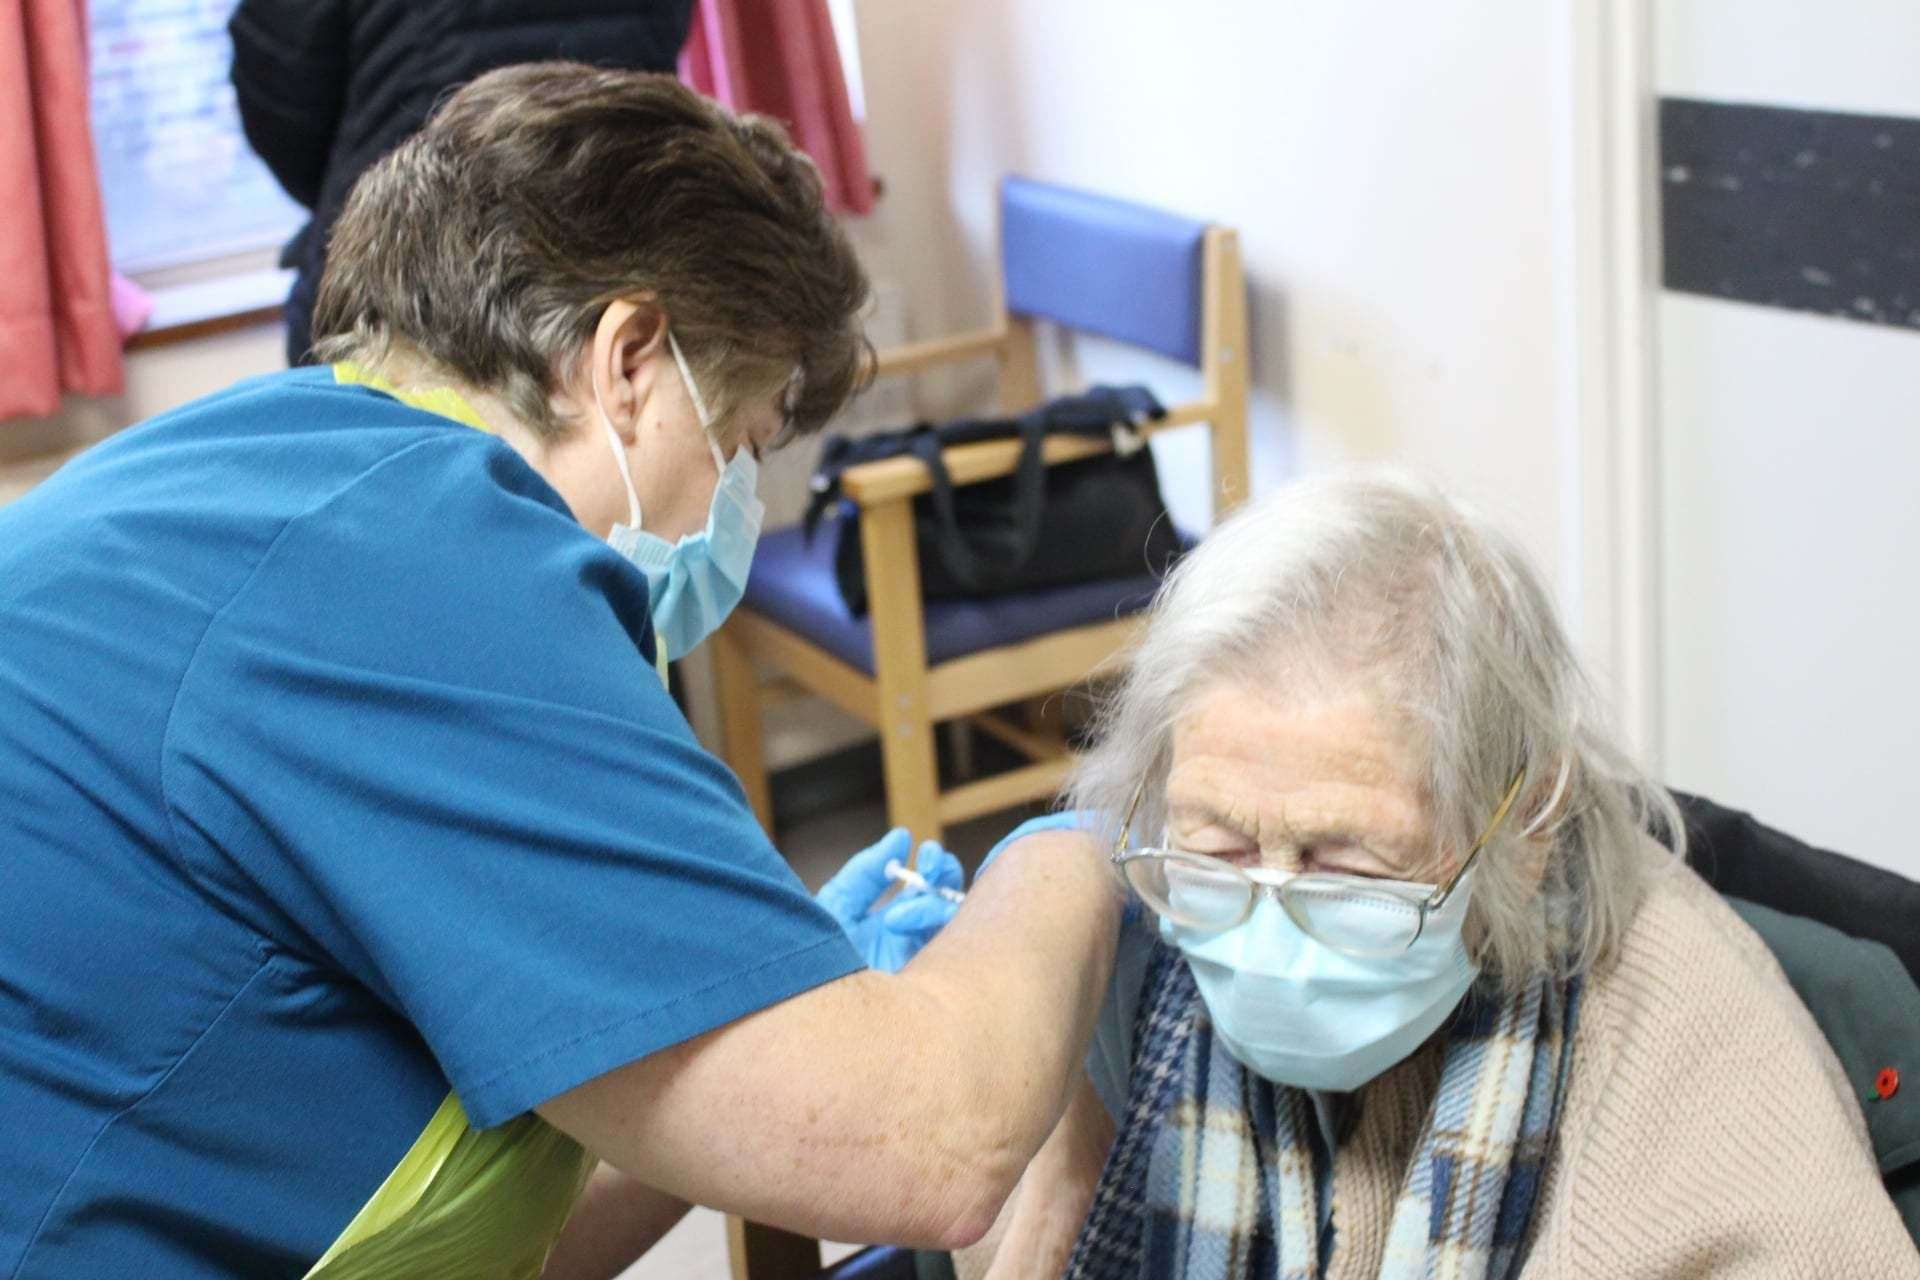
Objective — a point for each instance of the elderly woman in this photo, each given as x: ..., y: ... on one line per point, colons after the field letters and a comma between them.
x: 363, y: 887
x: 1413, y: 992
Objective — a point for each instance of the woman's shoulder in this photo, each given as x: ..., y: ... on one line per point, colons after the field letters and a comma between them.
x: 1688, y: 956
x: 1705, y: 1114
x: 1693, y: 987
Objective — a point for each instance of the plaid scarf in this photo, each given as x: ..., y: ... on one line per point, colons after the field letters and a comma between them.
x: 1211, y: 1175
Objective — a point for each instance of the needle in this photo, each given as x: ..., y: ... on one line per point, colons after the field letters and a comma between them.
x: 906, y: 875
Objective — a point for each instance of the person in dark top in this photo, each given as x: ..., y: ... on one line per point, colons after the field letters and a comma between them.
x: 327, y: 87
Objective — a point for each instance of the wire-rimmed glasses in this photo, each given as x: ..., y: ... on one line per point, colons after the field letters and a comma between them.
x: 1354, y: 915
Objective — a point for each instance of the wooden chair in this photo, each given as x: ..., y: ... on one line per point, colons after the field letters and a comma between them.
x: 1087, y: 263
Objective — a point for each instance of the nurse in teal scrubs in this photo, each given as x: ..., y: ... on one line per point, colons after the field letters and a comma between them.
x: 360, y: 884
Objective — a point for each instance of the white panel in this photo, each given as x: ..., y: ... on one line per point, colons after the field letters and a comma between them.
x: 1840, y: 55
x: 1791, y: 538
x: 1792, y: 570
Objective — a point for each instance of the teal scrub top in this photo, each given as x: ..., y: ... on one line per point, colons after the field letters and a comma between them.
x: 334, y: 776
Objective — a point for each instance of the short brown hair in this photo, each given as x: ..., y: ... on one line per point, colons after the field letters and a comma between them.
x: 492, y: 241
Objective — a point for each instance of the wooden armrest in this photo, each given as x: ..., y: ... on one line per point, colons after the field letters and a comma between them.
x: 920, y: 355
x: 872, y: 483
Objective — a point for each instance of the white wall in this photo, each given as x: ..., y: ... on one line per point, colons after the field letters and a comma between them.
x: 1790, y: 533
x: 1391, y: 168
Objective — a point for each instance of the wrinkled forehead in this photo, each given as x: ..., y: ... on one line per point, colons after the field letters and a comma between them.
x: 1281, y: 768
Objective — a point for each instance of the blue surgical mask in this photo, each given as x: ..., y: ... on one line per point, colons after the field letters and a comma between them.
x: 693, y: 584
x: 1297, y: 1012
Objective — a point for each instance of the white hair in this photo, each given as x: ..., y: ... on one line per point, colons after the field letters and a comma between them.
x: 1383, y: 585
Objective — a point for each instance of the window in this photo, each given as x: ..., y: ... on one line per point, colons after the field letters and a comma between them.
x: 840, y: 13
x: 180, y: 183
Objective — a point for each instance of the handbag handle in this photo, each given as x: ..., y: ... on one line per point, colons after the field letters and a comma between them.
x: 1095, y: 412
x: 970, y: 569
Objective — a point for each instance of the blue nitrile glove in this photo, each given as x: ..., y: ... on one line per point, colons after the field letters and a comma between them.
x: 1066, y: 820
x: 886, y: 939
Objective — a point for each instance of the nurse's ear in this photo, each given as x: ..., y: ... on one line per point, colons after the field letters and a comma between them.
x: 620, y: 360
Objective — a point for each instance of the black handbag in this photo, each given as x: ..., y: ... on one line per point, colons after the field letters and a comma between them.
x: 1100, y: 517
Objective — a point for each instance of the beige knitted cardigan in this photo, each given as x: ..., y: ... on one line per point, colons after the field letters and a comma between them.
x: 1707, y: 1130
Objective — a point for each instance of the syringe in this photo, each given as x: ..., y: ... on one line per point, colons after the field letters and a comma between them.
x: 897, y: 870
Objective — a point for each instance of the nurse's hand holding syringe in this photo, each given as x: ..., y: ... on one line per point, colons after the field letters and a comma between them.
x: 906, y: 875
x: 888, y: 934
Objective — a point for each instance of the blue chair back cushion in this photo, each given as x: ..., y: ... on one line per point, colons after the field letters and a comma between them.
x: 1103, y: 266
x: 793, y: 585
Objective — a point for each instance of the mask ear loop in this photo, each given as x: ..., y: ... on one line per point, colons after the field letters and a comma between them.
x: 699, y: 402
x: 620, y: 457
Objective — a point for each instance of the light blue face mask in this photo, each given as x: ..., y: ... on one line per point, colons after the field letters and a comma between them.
x: 1297, y: 1012
x: 693, y: 584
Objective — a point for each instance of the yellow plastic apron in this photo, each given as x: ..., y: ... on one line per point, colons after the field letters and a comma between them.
x: 463, y: 1203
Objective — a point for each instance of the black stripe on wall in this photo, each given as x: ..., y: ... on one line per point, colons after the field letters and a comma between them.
x: 1810, y: 210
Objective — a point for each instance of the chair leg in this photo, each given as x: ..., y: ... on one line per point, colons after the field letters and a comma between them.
x: 737, y: 687
x: 756, y: 1251
x: 912, y: 775
x: 900, y: 668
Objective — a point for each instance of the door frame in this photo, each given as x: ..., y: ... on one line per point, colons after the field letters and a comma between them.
x: 1607, y: 216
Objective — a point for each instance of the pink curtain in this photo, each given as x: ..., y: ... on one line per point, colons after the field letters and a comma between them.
x: 57, y: 328
x: 778, y: 57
